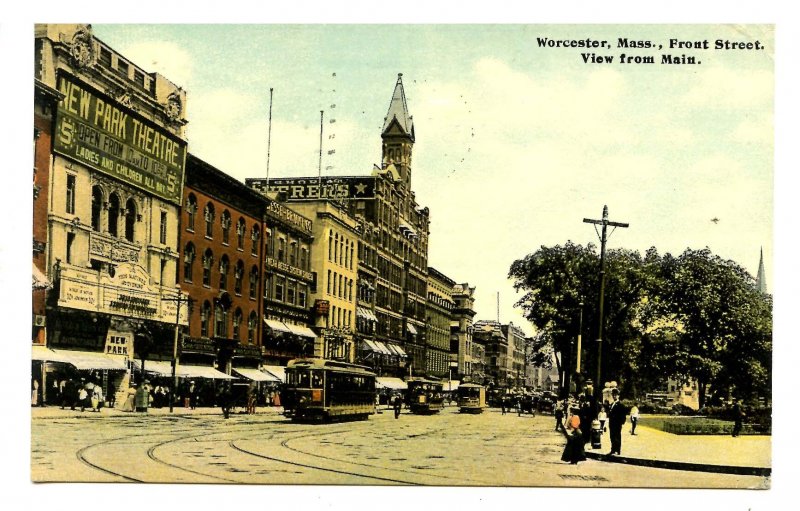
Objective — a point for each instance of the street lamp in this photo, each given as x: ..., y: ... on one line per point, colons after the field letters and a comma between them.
x: 179, y: 299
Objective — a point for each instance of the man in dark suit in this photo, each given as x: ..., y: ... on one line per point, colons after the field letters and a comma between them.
x: 616, y: 418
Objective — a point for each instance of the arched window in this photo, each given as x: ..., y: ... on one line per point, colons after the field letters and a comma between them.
x: 224, y: 265
x: 293, y: 253
x: 188, y: 261
x: 330, y: 245
x: 237, y: 324
x: 225, y: 221
x: 113, y: 214
x: 251, y: 328
x: 253, y: 282
x: 130, y: 219
x: 240, y: 228
x: 238, y: 274
x: 208, y: 214
x: 208, y: 260
x: 97, y: 207
x: 205, y: 316
x: 220, y: 320
x: 269, y: 240
x: 191, y: 211
x: 255, y: 236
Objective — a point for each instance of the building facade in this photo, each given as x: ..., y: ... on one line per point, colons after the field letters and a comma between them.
x: 114, y: 195
x: 439, y: 316
x: 222, y: 251
x: 490, y: 335
x: 462, y: 347
x: 516, y: 350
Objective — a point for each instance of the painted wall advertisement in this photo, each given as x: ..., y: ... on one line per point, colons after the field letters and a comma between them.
x: 102, y: 135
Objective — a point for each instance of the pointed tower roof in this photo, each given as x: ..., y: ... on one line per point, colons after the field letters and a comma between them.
x: 761, y: 280
x: 398, y: 109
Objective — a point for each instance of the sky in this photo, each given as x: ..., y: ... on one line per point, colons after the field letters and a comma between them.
x: 545, y: 139
x: 516, y: 142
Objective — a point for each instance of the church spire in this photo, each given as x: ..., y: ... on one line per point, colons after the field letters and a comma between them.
x: 398, y: 109
x: 398, y: 136
x: 761, y: 280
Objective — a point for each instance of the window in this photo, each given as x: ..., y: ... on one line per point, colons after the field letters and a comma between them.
x: 238, y: 274
x: 255, y: 236
x: 329, y: 282
x: 253, y: 282
x: 240, y: 234
x: 208, y: 260
x: 188, y: 262
x: 113, y: 214
x: 291, y: 291
x: 330, y: 246
x: 251, y: 328
x: 223, y: 272
x: 237, y: 324
x: 70, y: 242
x: 191, y: 212
x: 279, y: 283
x: 226, y: 227
x: 70, y: 194
x: 281, y: 250
x: 205, y: 314
x: 220, y: 321
x: 293, y: 253
x: 97, y: 207
x: 269, y: 235
x: 303, y: 258
x: 163, y: 228
x: 301, y: 295
x: 130, y: 219
x: 209, y: 217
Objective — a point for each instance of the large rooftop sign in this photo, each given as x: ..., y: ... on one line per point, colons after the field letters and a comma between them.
x: 101, y: 134
x: 313, y: 188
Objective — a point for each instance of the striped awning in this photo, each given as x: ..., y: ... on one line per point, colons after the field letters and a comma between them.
x: 411, y: 329
x: 382, y: 348
x: 45, y: 354
x: 387, y: 382
x: 278, y: 372
x: 277, y: 326
x: 399, y: 350
x: 300, y: 330
x: 253, y: 374
x: 157, y: 367
x: 366, y: 314
x: 39, y: 279
x: 87, y: 360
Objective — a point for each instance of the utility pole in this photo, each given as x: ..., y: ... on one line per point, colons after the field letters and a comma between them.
x: 603, y: 238
x: 179, y: 299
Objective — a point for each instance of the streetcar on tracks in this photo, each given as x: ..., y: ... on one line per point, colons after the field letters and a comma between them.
x: 471, y: 398
x: 319, y: 390
x: 425, y: 396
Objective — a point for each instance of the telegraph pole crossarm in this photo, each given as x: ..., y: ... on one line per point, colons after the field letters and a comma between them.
x: 605, y: 222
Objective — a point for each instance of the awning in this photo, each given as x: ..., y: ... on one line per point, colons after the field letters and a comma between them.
x: 278, y: 372
x: 400, y: 351
x: 382, y: 348
x: 158, y: 367
x: 253, y: 374
x: 45, y: 354
x: 411, y: 329
x: 386, y: 382
x: 366, y: 314
x: 86, y: 360
x: 302, y: 331
x: 39, y: 279
x: 201, y: 372
x: 277, y: 326
x: 371, y: 346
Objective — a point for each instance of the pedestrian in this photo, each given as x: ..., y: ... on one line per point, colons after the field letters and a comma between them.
x: 602, y: 416
x: 141, y: 398
x: 34, y: 392
x: 738, y: 417
x: 588, y: 411
x: 130, y: 399
x: 192, y: 394
x: 616, y: 418
x: 398, y: 404
x: 503, y: 404
x: 83, y: 396
x: 559, y: 413
x: 634, y: 418
x: 252, y: 392
x: 225, y: 398
x: 276, y: 398
x: 97, y: 398
x: 111, y: 397
x: 574, y: 450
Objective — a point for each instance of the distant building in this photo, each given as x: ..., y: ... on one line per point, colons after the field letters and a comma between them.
x: 462, y: 348
x: 440, y: 314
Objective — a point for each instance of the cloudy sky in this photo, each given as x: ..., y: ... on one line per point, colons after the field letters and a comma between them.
x: 516, y: 143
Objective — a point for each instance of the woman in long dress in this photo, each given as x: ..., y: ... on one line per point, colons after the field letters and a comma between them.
x: 573, y: 451
x: 130, y: 396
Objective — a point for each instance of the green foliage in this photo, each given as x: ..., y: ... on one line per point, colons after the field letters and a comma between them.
x: 696, y: 316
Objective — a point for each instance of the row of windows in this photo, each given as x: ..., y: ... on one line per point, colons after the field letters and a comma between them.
x: 222, y: 322
x: 340, y: 250
x: 209, y: 216
x: 339, y: 318
x: 340, y: 286
x: 109, y: 213
x: 207, y: 260
x: 286, y: 290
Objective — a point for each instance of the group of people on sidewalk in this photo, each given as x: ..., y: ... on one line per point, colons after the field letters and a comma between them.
x: 584, y: 414
x: 84, y: 393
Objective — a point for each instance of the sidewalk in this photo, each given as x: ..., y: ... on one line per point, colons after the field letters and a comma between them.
x: 749, y: 455
x: 55, y: 412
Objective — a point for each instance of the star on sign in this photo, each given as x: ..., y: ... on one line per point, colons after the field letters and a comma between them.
x: 361, y: 188
x: 715, y: 220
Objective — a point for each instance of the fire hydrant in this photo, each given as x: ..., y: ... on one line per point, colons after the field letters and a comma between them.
x: 596, y: 435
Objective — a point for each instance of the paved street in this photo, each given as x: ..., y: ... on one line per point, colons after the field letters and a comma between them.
x: 449, y: 449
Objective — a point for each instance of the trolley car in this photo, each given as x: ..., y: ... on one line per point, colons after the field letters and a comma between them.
x: 471, y: 398
x: 425, y: 396
x: 324, y: 390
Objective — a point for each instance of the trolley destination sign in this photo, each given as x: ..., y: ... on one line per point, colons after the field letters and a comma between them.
x: 97, y: 133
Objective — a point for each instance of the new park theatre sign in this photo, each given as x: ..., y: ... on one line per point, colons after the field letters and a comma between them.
x: 128, y: 293
x: 101, y: 134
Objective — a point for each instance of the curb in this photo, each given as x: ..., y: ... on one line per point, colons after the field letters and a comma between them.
x: 679, y: 465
